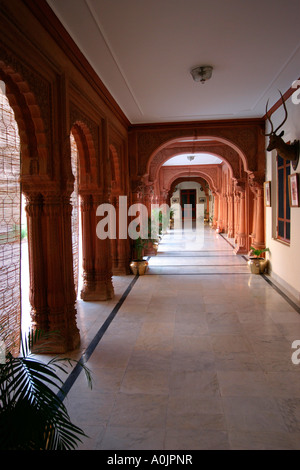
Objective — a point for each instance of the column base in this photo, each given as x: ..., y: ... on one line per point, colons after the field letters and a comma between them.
x: 121, y: 271
x: 241, y: 248
x: 57, y: 343
x: 104, y: 291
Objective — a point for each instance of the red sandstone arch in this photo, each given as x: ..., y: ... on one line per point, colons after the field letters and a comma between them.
x: 115, y: 168
x: 184, y: 175
x: 204, y: 169
x: 87, y: 155
x: 33, y: 141
x: 228, y: 152
x: 181, y: 179
x: 34, y: 171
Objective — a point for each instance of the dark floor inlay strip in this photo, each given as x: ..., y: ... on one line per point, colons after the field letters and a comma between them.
x: 286, y: 297
x: 93, y: 344
x: 203, y: 266
x: 192, y: 274
x: 198, y: 255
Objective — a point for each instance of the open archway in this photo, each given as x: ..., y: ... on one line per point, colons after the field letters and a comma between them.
x: 24, y: 160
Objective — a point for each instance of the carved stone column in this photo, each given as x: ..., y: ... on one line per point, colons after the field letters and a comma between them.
x: 258, y: 232
x: 114, y: 241
x: 207, y: 205
x: 242, y: 236
x: 236, y: 198
x: 137, y: 193
x: 61, y: 295
x: 220, y: 215
x: 230, y: 217
x: 164, y: 197
x: 225, y: 213
x: 88, y: 244
x: 148, y: 197
x: 259, y: 239
x: 123, y: 258
x: 253, y: 232
x: 120, y: 249
x: 216, y: 211
x: 103, y: 286
x: 37, y: 268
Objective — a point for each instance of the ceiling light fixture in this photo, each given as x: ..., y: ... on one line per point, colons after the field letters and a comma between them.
x: 202, y: 73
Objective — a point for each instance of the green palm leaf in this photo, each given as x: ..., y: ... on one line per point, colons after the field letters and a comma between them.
x: 32, y: 416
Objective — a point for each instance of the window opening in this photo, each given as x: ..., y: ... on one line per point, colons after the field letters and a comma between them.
x: 10, y: 225
x: 76, y: 218
x: 283, y: 206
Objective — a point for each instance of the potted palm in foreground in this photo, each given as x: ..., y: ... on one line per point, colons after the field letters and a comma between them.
x: 32, y: 413
x: 257, y: 263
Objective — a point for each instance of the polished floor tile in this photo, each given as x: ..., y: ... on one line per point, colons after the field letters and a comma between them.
x: 198, y: 356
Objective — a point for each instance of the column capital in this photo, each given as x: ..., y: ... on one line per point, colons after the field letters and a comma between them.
x: 240, y: 185
x: 256, y: 180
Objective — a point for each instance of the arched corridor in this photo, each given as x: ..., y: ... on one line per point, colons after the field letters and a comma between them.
x: 196, y: 251
x: 196, y: 354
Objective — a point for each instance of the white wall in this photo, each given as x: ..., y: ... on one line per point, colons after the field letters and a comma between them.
x: 284, y: 260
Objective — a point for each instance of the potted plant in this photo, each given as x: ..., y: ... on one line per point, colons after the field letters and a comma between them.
x: 206, y: 219
x: 138, y: 265
x: 162, y: 220
x: 151, y: 245
x: 32, y: 413
x: 257, y: 262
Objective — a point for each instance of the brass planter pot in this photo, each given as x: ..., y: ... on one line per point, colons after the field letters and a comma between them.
x: 258, y: 265
x: 139, y: 267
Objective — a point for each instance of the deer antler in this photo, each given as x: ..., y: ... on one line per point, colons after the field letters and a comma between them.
x: 268, y: 117
x: 286, y: 113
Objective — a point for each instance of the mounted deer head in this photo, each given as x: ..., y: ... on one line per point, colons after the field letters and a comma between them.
x: 287, y: 151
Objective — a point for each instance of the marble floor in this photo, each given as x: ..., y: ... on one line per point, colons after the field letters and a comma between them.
x: 196, y: 354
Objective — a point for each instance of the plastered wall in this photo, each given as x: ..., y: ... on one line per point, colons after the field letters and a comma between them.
x: 284, y: 259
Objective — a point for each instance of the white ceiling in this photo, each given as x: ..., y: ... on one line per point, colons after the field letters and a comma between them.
x: 199, y: 159
x: 143, y: 51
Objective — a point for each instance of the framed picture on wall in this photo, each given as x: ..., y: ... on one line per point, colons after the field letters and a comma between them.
x: 267, y: 192
x: 294, y: 190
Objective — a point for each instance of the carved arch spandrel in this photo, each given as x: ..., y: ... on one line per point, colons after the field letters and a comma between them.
x: 225, y: 153
x: 33, y: 121
x: 118, y: 149
x: 196, y: 179
x: 87, y: 155
x: 115, y: 169
x: 245, y: 137
x: 87, y: 134
x: 209, y: 175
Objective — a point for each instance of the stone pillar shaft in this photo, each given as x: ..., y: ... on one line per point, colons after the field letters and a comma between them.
x: 241, y: 236
x: 230, y: 217
x: 103, y: 287
x: 259, y: 238
x: 37, y: 273
x: 61, y: 295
